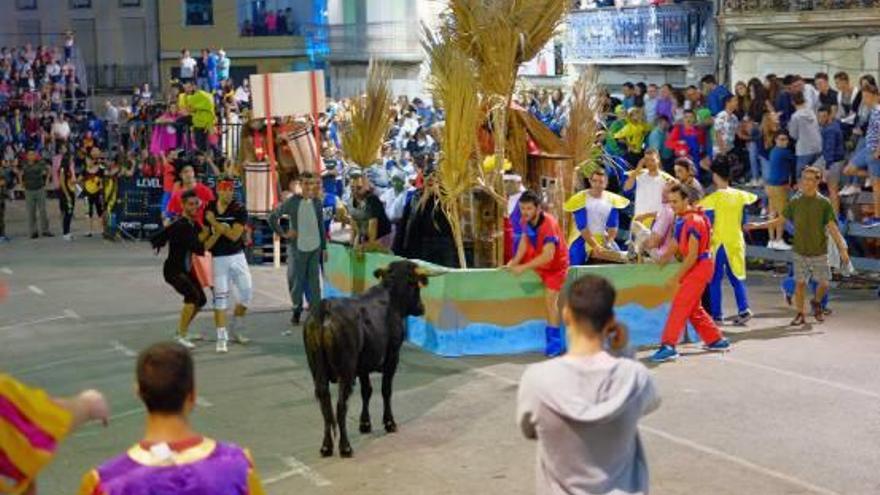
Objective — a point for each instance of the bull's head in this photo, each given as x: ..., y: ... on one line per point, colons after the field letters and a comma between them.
x: 404, y: 280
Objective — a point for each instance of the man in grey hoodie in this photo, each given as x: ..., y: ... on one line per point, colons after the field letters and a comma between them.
x: 804, y: 128
x: 583, y: 408
x: 306, y: 243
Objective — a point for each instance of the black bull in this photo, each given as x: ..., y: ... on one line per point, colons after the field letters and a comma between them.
x: 353, y: 337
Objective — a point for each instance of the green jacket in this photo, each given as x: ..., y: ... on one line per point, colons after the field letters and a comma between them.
x: 290, y: 208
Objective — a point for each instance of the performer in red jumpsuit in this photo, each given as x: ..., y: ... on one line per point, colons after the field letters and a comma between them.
x: 542, y: 249
x: 693, y: 242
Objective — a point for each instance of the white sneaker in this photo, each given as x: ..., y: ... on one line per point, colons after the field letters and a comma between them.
x: 849, y: 190
x: 781, y: 245
x: 221, y: 346
x: 771, y: 244
x: 67, y: 237
x: 185, y: 342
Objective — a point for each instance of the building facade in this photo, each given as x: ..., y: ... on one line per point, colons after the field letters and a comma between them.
x: 759, y: 37
x: 260, y: 36
x: 116, y: 39
x: 388, y: 30
x: 640, y: 41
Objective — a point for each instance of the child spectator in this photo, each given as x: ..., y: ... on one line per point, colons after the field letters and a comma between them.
x: 776, y: 184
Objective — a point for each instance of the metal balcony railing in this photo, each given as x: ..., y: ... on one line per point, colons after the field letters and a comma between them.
x: 649, y: 32
x: 361, y: 41
x: 757, y: 6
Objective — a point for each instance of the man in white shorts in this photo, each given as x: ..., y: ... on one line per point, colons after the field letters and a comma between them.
x: 230, y: 265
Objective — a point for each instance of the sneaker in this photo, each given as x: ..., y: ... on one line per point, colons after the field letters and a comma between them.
x: 871, y: 222
x: 198, y: 337
x: 287, y: 333
x: 296, y: 318
x: 221, y: 346
x: 89, y: 235
x: 35, y: 236
x: 185, y: 342
x: 48, y: 234
x: 849, y: 190
x: 67, y: 237
x: 742, y: 318
x: 239, y: 338
x: 781, y: 245
x: 719, y: 345
x: 664, y: 353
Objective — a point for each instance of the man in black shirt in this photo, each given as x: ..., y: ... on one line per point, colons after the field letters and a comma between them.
x: 373, y: 226
x: 229, y: 216
x: 185, y: 238
x: 827, y: 96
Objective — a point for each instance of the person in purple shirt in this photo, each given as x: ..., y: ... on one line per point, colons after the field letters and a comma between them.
x: 172, y: 457
x: 717, y: 93
x: 666, y: 103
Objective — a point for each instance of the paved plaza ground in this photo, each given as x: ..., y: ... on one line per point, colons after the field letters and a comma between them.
x: 786, y: 412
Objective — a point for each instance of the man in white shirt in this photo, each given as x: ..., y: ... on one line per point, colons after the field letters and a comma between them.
x: 648, y: 181
x: 243, y: 94
x: 60, y: 129
x: 187, y: 66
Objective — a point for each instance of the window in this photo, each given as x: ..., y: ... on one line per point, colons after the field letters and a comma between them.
x: 198, y: 12
x: 275, y: 18
x: 80, y: 4
x: 129, y: 3
x: 26, y: 4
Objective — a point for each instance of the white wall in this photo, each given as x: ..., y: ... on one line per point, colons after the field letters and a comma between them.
x: 350, y: 80
x: 854, y: 55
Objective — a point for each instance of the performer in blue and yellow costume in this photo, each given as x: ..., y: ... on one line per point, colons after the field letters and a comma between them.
x: 725, y: 207
x: 596, y: 215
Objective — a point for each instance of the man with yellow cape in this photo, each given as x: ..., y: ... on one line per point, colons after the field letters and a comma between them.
x: 596, y: 215
x: 725, y: 208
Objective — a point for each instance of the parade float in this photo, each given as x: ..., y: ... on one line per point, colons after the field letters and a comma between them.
x: 486, y: 310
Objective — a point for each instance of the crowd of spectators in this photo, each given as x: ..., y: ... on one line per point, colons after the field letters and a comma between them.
x: 146, y: 134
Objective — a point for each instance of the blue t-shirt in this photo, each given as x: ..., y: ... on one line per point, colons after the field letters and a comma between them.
x: 779, y: 171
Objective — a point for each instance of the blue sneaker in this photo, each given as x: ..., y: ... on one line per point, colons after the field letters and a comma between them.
x: 555, y: 342
x: 664, y: 353
x: 719, y: 345
x: 872, y: 222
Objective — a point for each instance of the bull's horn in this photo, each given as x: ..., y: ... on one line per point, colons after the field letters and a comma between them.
x: 429, y: 273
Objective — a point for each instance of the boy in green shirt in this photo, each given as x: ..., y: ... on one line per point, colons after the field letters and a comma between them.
x: 811, y: 213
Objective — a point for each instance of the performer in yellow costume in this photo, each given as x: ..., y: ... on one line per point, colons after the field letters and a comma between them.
x: 596, y: 218
x: 32, y: 425
x: 725, y: 207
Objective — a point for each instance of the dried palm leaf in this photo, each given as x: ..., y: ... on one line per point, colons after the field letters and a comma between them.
x: 454, y: 86
x: 370, y: 119
x: 584, y: 119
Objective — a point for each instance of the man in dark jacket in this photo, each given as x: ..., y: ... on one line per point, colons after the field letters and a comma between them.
x: 306, y: 243
x: 34, y: 178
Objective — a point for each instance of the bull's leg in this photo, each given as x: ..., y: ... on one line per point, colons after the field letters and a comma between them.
x: 366, y: 392
x: 345, y: 386
x: 387, y: 379
x: 322, y: 392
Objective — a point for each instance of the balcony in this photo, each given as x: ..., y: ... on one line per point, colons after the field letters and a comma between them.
x: 763, y: 6
x: 776, y: 15
x: 391, y: 41
x: 669, y: 34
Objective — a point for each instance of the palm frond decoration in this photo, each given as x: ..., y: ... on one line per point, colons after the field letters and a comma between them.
x: 454, y: 86
x: 370, y: 120
x: 584, y: 121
